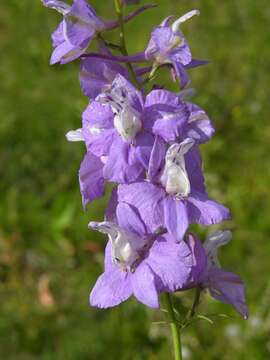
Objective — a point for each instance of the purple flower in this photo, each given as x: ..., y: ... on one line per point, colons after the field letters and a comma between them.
x: 97, y: 76
x: 138, y: 263
x: 92, y: 183
x: 78, y: 28
x: 177, y: 196
x: 222, y: 285
x: 113, y: 130
x: 174, y: 119
x: 168, y: 46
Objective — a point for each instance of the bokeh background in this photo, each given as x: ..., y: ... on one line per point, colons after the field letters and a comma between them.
x: 49, y: 260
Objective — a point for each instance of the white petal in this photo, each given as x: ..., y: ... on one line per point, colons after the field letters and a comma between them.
x: 175, y: 177
x: 182, y: 19
x: 75, y: 135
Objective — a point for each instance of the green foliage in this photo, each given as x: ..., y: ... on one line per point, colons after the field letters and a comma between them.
x: 49, y: 259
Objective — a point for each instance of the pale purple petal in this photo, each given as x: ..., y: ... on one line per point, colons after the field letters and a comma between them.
x: 122, y: 165
x: 110, y: 214
x: 146, y: 198
x: 181, y: 74
x: 81, y: 23
x: 91, y: 178
x: 65, y: 53
x: 204, y: 211
x: 111, y: 288
x: 199, y: 126
x: 181, y: 55
x: 97, y: 75
x: 165, y: 97
x: 157, y: 158
x: 134, y: 96
x: 193, y: 162
x: 228, y: 288
x: 57, y: 35
x: 98, y: 130
x: 171, y: 262
x: 144, y: 145
x: 129, y: 219
x: 199, y: 259
x: 175, y: 217
x: 170, y: 124
x: 144, y: 286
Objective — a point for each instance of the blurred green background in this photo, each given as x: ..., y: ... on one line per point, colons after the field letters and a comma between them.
x: 49, y: 260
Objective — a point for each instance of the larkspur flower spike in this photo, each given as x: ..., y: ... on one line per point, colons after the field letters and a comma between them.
x: 147, y: 143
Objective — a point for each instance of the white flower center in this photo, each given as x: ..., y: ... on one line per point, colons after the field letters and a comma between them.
x: 125, y: 245
x: 127, y: 120
x: 174, y: 177
x: 127, y: 123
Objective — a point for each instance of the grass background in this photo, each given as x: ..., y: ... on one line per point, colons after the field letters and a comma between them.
x: 49, y: 260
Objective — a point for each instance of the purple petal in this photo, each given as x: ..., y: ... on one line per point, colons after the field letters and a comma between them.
x: 165, y: 97
x: 82, y: 23
x: 144, y: 145
x: 193, y: 162
x: 161, y: 40
x: 91, y: 178
x: 65, y: 53
x: 157, y: 157
x: 110, y: 214
x: 195, y: 63
x: 170, y: 125
x: 203, y: 211
x: 129, y: 219
x: 181, y: 74
x: 134, y: 96
x: 98, y: 130
x: 228, y: 288
x: 199, y: 126
x: 111, y: 288
x: 97, y: 75
x: 146, y: 198
x: 57, y: 35
x: 122, y: 165
x: 144, y: 287
x: 199, y: 259
x: 99, y: 115
x: 175, y: 217
x: 171, y: 262
x: 181, y: 54
x: 60, y: 6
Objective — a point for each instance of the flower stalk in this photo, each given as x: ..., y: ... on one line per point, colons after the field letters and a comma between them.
x: 123, y: 47
x: 175, y: 329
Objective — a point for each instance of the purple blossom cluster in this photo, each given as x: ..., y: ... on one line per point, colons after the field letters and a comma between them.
x: 148, y: 145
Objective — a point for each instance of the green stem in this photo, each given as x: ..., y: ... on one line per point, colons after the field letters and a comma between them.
x: 175, y: 329
x: 123, y: 47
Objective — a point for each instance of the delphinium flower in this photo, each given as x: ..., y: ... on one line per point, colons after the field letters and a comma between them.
x: 79, y: 27
x: 176, y: 194
x: 222, y: 285
x: 120, y: 135
x: 136, y: 262
x: 168, y: 46
x: 148, y: 144
x: 113, y: 131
